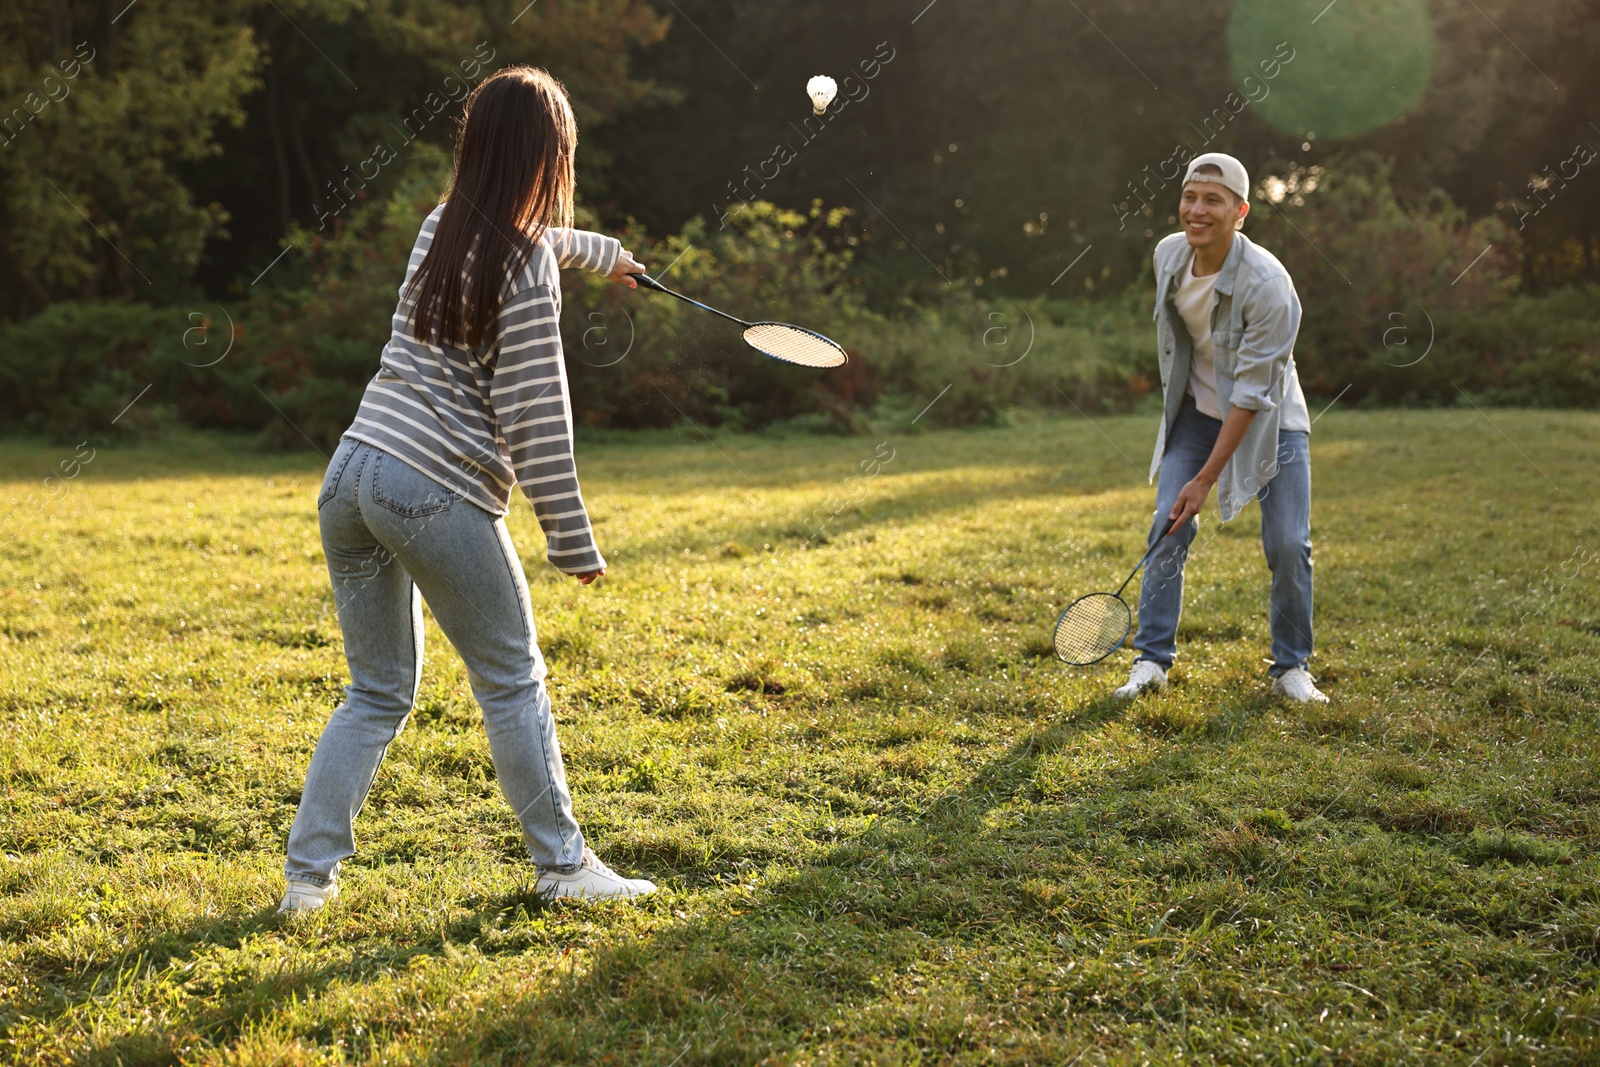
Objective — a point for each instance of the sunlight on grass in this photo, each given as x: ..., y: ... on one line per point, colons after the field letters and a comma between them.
x: 819, y: 707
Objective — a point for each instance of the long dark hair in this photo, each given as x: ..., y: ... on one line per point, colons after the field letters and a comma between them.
x: 512, y: 180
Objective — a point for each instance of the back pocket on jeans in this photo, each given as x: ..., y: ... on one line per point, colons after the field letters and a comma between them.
x: 405, y: 490
x: 336, y: 466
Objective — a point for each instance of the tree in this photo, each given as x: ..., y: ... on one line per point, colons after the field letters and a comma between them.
x: 344, y: 100
x: 1063, y: 117
x: 99, y: 112
x: 113, y: 117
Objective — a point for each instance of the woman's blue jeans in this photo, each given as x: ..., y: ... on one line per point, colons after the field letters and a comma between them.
x: 1285, y: 536
x: 392, y: 537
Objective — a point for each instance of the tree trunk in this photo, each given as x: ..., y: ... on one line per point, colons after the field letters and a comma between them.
x: 286, y: 106
x: 300, y: 149
x: 273, y: 92
x: 36, y: 296
x: 121, y: 264
x: 60, y: 28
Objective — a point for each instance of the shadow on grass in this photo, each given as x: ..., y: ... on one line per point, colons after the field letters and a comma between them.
x: 827, y: 947
x: 824, y: 946
x: 232, y: 1009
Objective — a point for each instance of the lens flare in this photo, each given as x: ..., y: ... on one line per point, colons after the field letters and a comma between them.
x: 1324, y: 71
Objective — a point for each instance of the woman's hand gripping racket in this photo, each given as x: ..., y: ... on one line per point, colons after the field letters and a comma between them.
x: 780, y: 340
x: 1096, y: 624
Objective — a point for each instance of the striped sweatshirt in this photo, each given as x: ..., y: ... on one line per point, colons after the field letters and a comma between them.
x: 479, y: 421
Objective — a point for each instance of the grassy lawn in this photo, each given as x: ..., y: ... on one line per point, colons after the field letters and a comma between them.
x: 890, y: 826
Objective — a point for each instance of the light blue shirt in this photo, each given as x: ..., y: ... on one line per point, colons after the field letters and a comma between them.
x: 1255, y: 317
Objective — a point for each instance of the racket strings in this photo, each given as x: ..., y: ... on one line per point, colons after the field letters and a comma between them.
x: 1092, y: 628
x: 793, y: 345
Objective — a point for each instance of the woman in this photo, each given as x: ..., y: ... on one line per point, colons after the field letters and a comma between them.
x: 470, y: 399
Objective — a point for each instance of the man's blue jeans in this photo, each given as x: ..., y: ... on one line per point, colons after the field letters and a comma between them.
x: 1285, y: 536
x: 393, y: 536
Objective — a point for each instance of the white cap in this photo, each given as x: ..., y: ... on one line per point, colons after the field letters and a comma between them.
x: 1233, y: 176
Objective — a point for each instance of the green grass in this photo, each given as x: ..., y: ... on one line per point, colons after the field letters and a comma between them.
x: 890, y: 827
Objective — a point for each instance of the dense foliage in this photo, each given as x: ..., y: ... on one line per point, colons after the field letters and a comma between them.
x: 191, y: 135
x: 1425, y: 322
x: 1006, y: 138
x: 972, y: 217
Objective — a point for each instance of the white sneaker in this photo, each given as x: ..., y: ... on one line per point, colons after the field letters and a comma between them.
x: 593, y: 880
x: 1145, y: 675
x: 305, y: 897
x: 1298, y: 686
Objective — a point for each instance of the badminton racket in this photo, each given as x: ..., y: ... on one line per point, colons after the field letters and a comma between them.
x: 780, y: 340
x: 1096, y: 624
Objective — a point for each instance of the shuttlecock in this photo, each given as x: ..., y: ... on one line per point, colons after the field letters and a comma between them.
x: 821, y: 90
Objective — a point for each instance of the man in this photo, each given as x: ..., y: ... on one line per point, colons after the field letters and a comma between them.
x: 1235, y: 418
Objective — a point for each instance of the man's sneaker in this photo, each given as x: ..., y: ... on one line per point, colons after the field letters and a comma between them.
x: 592, y: 879
x: 304, y: 897
x: 1299, y: 687
x: 1145, y: 675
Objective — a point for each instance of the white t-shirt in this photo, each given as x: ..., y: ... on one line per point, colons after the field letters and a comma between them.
x: 1194, y: 301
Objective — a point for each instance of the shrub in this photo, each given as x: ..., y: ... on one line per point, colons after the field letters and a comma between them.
x: 1373, y: 270
x: 642, y: 359
x: 994, y: 355
x: 645, y: 359
x: 77, y: 366
x: 70, y: 370
x: 303, y: 354
x: 1535, y: 351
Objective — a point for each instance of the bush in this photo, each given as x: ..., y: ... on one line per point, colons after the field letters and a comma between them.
x: 638, y: 358
x: 73, y: 370
x: 70, y: 370
x: 1387, y: 311
x: 642, y: 359
x: 994, y: 355
x: 1539, y: 351
x: 1373, y: 271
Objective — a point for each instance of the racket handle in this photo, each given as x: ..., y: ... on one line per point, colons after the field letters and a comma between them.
x: 650, y: 283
